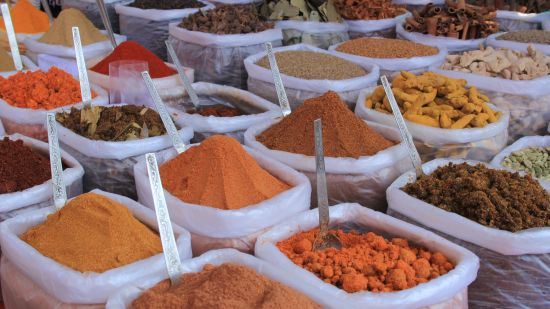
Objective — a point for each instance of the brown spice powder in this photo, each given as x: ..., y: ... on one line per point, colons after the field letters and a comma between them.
x: 386, y: 48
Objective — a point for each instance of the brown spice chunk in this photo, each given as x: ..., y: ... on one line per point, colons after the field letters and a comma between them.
x: 386, y: 48
x: 218, y: 110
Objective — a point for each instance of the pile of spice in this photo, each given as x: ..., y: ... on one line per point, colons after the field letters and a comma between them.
x: 113, y: 123
x: 218, y: 110
x: 229, y: 286
x: 21, y: 167
x: 6, y: 62
x: 131, y: 50
x: 437, y: 101
x: 27, y: 19
x: 368, y: 9
x: 40, y: 90
x: 456, y: 20
x: 305, y: 10
x: 366, y: 262
x: 533, y: 160
x: 344, y: 134
x: 312, y: 65
x: 527, y: 36
x: 61, y: 33
x: 167, y: 4
x: 386, y: 48
x: 219, y: 173
x: 93, y: 233
x: 494, y: 198
x: 227, y: 19
x: 522, y: 6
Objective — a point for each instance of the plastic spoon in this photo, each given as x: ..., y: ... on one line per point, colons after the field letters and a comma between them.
x: 11, y: 38
x: 85, y: 91
x: 186, y: 82
x: 59, y: 193
x: 106, y: 22
x: 279, y: 87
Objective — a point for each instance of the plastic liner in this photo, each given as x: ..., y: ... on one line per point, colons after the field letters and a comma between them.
x: 237, y: 228
x: 318, y: 34
x: 219, y: 58
x: 471, y: 143
x: 451, y: 44
x: 513, y: 21
x: 382, y: 28
x: 260, y: 80
x: 514, y: 266
x: 492, y: 41
x: 447, y: 291
x: 363, y: 180
x: 91, y: 10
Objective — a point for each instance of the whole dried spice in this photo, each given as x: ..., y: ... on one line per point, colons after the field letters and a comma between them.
x: 533, y: 160
x: 219, y: 173
x: 93, y: 233
x: 167, y: 4
x: 344, y: 134
x: 228, y: 286
x: 113, y: 123
x: 368, y: 9
x: 386, y: 48
x: 61, y: 33
x: 494, y: 198
x: 527, y: 36
x: 218, y: 110
x: 306, y: 10
x: 313, y: 65
x: 27, y: 19
x: 41, y: 90
x: 522, y: 6
x: 21, y: 167
x: 366, y: 262
x: 227, y: 19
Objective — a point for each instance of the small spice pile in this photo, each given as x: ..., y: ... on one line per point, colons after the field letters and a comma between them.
x: 219, y: 173
x: 527, y: 36
x: 113, y: 123
x: 386, y: 48
x: 61, y: 32
x: 494, y: 198
x: 227, y: 19
x: 344, y: 134
x: 368, y: 9
x: 40, y: 90
x: 167, y: 4
x: 366, y: 262
x: 504, y: 63
x: 305, y: 10
x: 436, y: 100
x: 533, y: 160
x: 27, y: 19
x: 228, y: 286
x: 6, y: 62
x: 218, y: 110
x: 93, y: 233
x: 522, y: 6
x: 312, y: 65
x: 131, y: 50
x: 456, y: 20
x: 21, y: 167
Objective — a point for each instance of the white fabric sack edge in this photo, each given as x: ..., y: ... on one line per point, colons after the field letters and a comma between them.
x: 220, y: 223
x: 394, y: 64
x: 434, y: 136
x: 366, y: 26
x: 316, y: 85
x: 42, y: 192
x: 29, y: 116
x: 28, y: 65
x: 362, y: 165
x: 315, y: 27
x: 159, y: 15
x: 432, y: 292
x: 522, y: 47
x: 530, y: 241
x: 224, y: 40
x: 529, y: 17
x: 452, y: 44
x: 215, y: 124
x: 123, y: 298
x: 71, y: 286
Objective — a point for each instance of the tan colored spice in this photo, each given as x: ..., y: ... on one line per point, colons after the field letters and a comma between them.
x: 386, y: 48
x: 61, y: 33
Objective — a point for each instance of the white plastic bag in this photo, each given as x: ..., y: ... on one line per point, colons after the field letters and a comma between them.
x: 363, y: 180
x: 447, y: 291
x: 528, y: 101
x: 384, y: 28
x: 28, y: 65
x: 260, y: 80
x: 205, y: 126
x: 513, y: 21
x: 219, y: 58
x: 451, y: 44
x: 471, y: 143
x: 514, y: 266
x: 318, y: 34
x: 522, y: 47
x: 91, y: 10
x: 231, y: 228
x: 65, y: 284
x: 149, y: 27
x: 124, y: 298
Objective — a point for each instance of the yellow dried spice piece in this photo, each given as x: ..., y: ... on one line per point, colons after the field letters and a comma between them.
x: 437, y: 101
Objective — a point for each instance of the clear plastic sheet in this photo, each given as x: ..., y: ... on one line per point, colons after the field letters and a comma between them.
x: 154, y: 36
x: 91, y: 10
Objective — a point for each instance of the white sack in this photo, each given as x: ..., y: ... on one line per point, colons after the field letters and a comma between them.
x: 91, y: 10
x: 451, y: 44
x: 513, y: 21
x: 384, y: 28
x: 234, y: 226
x: 470, y: 143
x: 219, y: 58
x: 318, y: 34
x: 446, y: 291
x: 522, y: 47
x: 28, y: 65
x: 260, y: 80
x: 363, y: 180
x: 71, y: 286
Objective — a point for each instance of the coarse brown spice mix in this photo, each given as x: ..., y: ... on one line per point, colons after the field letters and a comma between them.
x: 386, y: 48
